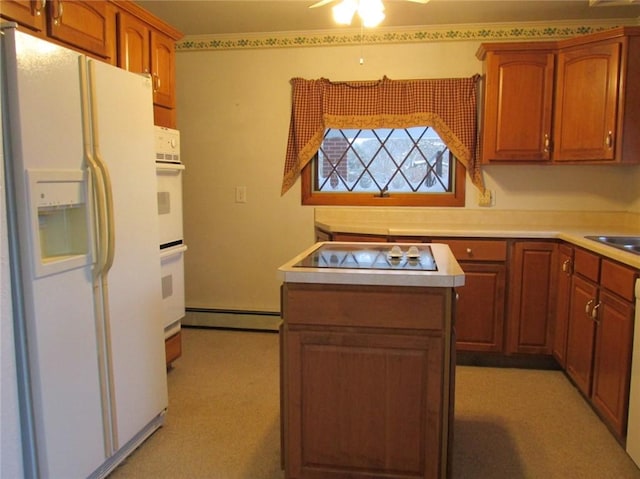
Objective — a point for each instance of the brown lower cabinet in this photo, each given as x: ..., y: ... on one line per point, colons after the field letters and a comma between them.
x: 532, y: 295
x: 173, y: 348
x: 564, y: 269
x: 367, y: 379
x: 557, y: 299
x: 600, y: 336
x: 480, y: 306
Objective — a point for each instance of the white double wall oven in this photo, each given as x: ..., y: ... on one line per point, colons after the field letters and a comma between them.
x: 169, y: 170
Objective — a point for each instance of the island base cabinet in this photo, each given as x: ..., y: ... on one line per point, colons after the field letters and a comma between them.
x: 365, y: 403
x: 362, y: 400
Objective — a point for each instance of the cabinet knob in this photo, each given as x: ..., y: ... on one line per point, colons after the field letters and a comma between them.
x: 609, y: 140
x: 469, y: 252
x: 547, y: 143
x: 566, y: 266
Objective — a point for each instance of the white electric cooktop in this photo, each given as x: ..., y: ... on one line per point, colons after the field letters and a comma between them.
x: 374, y: 256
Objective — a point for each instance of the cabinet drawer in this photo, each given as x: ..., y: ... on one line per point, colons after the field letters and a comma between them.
x: 618, y: 279
x: 476, y: 250
x: 586, y: 264
x: 173, y: 347
x: 393, y: 307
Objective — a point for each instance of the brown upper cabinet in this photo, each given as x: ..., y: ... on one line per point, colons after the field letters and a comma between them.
x: 517, y: 126
x: 119, y: 32
x: 570, y: 101
x: 133, y: 44
x: 28, y: 13
x: 87, y: 26
x: 144, y: 48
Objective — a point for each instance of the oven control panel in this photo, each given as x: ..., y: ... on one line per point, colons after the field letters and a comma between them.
x: 167, y: 145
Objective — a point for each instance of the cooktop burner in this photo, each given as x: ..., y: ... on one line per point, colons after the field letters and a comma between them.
x: 363, y: 256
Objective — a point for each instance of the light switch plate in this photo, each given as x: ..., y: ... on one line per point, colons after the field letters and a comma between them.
x: 241, y: 194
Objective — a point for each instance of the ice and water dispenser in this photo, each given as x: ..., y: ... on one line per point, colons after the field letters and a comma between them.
x: 60, y: 220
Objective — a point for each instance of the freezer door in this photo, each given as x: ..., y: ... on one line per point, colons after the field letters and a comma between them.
x: 44, y: 132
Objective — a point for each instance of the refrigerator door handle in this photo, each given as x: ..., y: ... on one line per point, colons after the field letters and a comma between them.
x: 107, y: 211
x: 96, y: 175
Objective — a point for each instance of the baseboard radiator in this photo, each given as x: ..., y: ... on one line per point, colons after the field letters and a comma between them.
x: 232, y: 319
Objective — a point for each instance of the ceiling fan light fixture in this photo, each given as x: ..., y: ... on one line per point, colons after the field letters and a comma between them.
x: 371, y: 12
x: 344, y: 11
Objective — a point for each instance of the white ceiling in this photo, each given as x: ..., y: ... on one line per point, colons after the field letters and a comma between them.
x: 196, y: 17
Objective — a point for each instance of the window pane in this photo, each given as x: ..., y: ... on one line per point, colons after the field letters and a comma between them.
x: 408, y: 161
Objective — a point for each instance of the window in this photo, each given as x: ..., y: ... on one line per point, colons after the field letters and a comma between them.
x: 378, y: 113
x: 383, y: 167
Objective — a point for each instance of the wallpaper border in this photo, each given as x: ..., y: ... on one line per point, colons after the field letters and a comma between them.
x: 322, y: 38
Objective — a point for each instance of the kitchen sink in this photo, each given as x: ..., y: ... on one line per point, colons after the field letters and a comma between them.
x: 626, y: 243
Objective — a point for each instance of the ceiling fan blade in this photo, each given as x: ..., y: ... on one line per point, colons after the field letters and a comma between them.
x: 321, y: 3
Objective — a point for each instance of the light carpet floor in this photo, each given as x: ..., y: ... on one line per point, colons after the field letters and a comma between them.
x: 223, y: 420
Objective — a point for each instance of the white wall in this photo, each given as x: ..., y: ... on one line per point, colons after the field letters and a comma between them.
x: 233, y: 113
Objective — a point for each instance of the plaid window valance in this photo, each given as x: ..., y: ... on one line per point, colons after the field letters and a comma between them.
x: 448, y: 105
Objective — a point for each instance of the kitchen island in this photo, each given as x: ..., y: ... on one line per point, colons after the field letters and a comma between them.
x: 367, y: 370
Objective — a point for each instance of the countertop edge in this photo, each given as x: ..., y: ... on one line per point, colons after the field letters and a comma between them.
x: 573, y: 235
x: 449, y: 274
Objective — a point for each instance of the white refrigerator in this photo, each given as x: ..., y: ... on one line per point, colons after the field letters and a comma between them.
x: 82, y: 233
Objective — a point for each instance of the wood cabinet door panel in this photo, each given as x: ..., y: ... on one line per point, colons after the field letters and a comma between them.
x: 479, y: 323
x: 586, y: 103
x: 581, y: 334
x: 340, y: 425
x: 532, y: 298
x: 87, y: 25
x: 518, y: 104
x: 563, y: 302
x: 612, y: 361
x: 28, y: 13
x: 163, y: 69
x: 133, y: 44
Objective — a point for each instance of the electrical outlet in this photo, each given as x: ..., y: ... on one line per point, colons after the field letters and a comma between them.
x: 241, y: 194
x: 486, y: 198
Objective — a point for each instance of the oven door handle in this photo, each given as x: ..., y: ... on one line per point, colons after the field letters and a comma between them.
x: 165, y: 253
x: 168, y: 168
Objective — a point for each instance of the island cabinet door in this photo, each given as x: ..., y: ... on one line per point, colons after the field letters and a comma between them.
x: 364, y: 405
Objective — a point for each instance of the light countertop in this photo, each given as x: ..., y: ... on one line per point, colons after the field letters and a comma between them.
x: 571, y: 233
x: 449, y: 274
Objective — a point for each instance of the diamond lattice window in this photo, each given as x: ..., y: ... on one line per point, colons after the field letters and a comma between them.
x: 406, y: 166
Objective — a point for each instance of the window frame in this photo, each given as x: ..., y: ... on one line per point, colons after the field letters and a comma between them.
x: 309, y: 196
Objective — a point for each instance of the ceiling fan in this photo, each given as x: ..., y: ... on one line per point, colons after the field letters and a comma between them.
x: 371, y: 12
